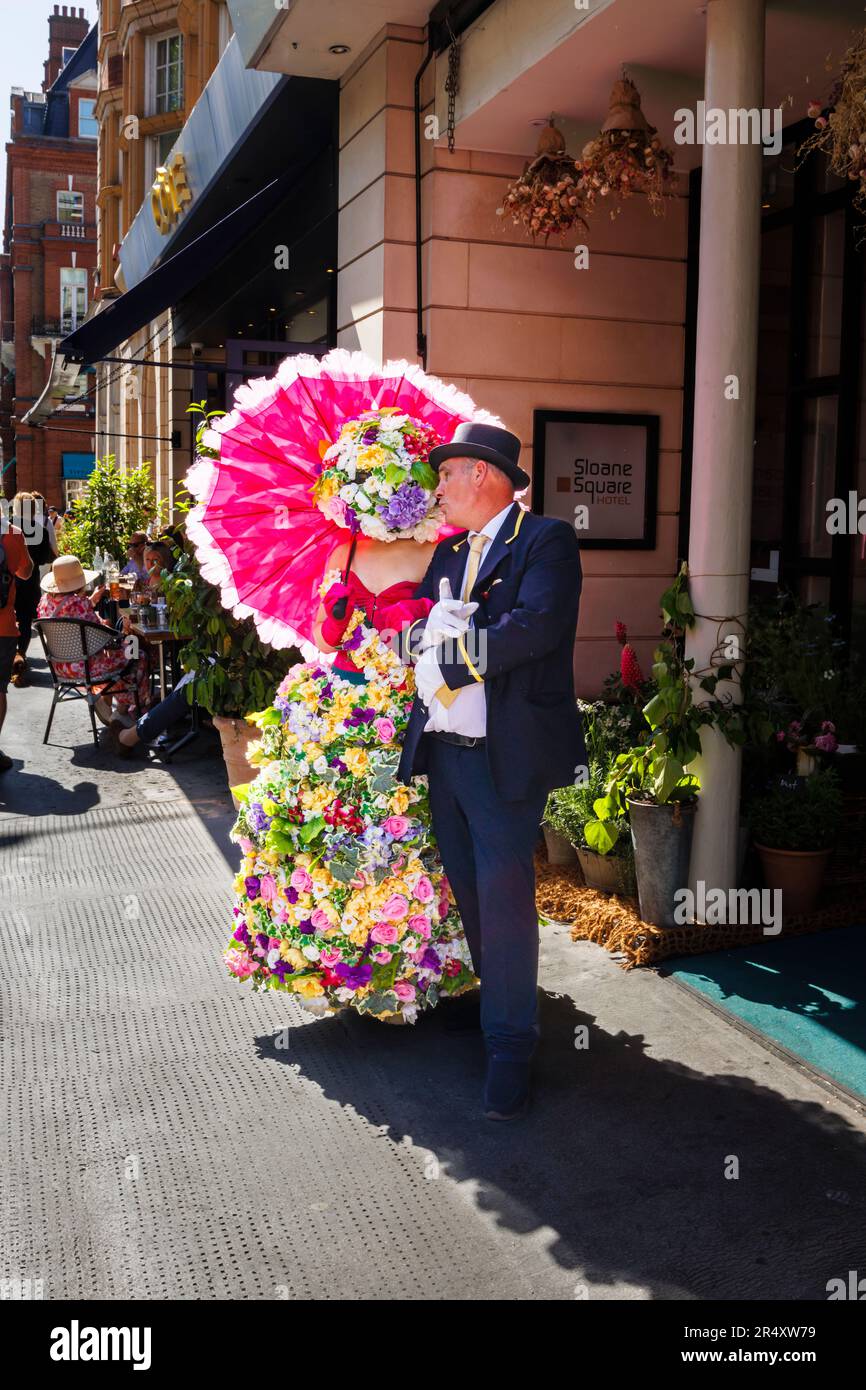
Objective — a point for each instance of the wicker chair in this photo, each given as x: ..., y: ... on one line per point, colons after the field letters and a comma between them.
x: 76, y: 639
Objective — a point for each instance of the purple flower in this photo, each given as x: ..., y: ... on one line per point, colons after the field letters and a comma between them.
x: 253, y: 887
x: 263, y: 941
x: 353, y: 976
x: 430, y: 961
x: 282, y: 968
x: 258, y: 818
x: 327, y: 691
x: 339, y: 764
x: 357, y: 637
x: 240, y: 933
x: 291, y: 894
x: 370, y: 435
x: 306, y: 926
x: 409, y: 505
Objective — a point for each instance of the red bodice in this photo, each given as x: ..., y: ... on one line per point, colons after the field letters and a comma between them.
x: 392, y: 608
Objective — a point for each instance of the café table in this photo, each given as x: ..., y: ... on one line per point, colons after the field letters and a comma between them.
x: 159, y: 637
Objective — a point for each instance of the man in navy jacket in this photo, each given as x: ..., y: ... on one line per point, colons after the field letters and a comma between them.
x: 495, y: 724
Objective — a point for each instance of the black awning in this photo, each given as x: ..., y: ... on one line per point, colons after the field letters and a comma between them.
x: 163, y: 287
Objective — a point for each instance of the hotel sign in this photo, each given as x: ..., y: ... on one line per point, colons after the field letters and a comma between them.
x: 169, y: 193
x: 598, y: 471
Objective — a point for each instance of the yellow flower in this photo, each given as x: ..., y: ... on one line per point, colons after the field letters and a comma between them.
x: 308, y: 986
x: 356, y: 761
x: 358, y: 935
x: 312, y: 751
x: 293, y: 956
x: 327, y: 487
x: 269, y: 807
x: 398, y: 801
x: 374, y: 456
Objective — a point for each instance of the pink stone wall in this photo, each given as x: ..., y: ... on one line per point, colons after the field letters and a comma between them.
x: 516, y: 325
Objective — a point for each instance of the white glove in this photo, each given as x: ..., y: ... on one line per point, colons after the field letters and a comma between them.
x: 428, y: 676
x: 447, y: 619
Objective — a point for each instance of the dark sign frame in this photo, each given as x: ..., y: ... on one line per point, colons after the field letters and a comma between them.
x: 542, y: 418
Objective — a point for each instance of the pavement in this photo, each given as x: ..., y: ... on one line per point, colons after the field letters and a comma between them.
x: 171, y: 1135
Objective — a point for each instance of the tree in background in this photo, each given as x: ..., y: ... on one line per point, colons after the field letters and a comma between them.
x: 114, y: 506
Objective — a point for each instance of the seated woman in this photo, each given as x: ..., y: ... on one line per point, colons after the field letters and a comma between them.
x: 157, y: 557
x: 64, y: 595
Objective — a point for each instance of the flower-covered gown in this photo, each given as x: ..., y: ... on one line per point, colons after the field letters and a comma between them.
x: 341, y: 897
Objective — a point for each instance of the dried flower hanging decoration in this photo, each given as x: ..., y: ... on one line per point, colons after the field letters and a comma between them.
x: 548, y: 197
x: 627, y: 156
x: 840, y: 126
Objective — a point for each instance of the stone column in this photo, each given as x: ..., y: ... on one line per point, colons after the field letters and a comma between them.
x: 726, y: 362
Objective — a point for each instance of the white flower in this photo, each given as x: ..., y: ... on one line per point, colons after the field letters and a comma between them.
x: 344, y: 995
x: 349, y: 491
x: 311, y: 952
x: 273, y: 957
x: 362, y: 501
x: 410, y: 1012
x: 321, y: 765
x: 410, y: 943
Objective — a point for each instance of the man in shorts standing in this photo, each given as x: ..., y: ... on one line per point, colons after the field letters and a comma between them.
x: 15, y: 563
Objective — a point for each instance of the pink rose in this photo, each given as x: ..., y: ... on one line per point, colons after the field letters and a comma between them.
x: 334, y: 508
x: 301, y: 880
x: 396, y: 908
x: 396, y: 826
x: 246, y: 845
x: 281, y: 915
x: 424, y: 891
x: 239, y: 964
x: 383, y: 957
x: 404, y: 990
x: 267, y: 887
x: 331, y: 957
x: 383, y: 933
x: 320, y: 920
x: 420, y: 925
x: 385, y: 728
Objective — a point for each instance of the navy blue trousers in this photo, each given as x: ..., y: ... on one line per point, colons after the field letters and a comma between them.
x: 487, y: 848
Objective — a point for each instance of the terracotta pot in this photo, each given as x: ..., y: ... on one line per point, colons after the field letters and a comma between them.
x: 607, y: 873
x: 798, y: 873
x: 236, y: 736
x: 559, y: 850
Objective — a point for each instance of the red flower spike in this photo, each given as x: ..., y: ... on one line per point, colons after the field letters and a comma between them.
x: 621, y: 634
x: 632, y: 676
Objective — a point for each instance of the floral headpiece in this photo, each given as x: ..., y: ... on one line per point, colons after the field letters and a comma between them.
x: 376, y: 478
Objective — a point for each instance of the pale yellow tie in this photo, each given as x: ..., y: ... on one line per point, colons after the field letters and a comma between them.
x: 444, y: 694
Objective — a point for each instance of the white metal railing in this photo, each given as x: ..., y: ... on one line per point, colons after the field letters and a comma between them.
x: 72, y: 229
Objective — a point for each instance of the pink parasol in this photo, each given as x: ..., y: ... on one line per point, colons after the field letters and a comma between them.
x: 257, y: 532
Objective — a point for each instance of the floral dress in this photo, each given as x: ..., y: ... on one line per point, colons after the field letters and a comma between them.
x: 341, y: 897
x: 104, y: 666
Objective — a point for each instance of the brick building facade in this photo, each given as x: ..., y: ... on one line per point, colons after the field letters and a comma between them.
x: 49, y: 256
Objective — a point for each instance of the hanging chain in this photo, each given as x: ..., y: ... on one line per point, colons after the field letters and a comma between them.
x: 452, y: 82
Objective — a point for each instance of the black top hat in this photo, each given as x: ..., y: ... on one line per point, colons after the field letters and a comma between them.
x: 489, y: 442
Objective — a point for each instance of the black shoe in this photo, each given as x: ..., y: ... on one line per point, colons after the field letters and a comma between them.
x: 463, y: 1015
x: 5, y: 762
x: 506, y: 1094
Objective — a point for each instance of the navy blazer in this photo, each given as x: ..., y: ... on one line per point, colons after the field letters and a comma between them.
x: 528, y: 593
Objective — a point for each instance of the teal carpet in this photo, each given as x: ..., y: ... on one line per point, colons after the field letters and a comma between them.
x: 807, y: 994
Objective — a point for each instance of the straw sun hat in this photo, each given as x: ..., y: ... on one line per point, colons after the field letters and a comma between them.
x: 67, y: 575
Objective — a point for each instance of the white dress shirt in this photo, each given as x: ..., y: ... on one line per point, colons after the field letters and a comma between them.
x: 467, y: 713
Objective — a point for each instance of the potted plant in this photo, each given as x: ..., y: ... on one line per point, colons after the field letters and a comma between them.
x: 606, y: 861
x: 794, y: 823
x: 650, y: 784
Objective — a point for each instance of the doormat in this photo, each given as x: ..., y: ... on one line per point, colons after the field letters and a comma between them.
x: 805, y: 996
x: 614, y: 923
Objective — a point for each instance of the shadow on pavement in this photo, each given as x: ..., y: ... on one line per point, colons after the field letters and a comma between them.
x: 623, y: 1157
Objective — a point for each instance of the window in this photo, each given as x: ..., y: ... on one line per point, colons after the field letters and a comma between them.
x: 73, y: 297
x: 88, y: 126
x: 67, y: 54
x: 167, y: 63
x: 160, y: 148
x: 225, y: 29
x: 70, y: 206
